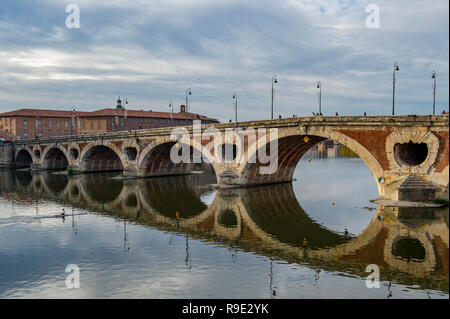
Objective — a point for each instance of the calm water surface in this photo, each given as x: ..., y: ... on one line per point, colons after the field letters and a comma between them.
x: 179, y: 238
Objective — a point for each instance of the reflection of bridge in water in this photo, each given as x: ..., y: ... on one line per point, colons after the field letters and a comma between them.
x: 410, y: 246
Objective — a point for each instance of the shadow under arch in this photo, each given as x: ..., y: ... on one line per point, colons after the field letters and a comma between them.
x: 157, y: 160
x: 23, y: 159
x: 55, y: 159
x: 100, y: 158
x: 291, y: 148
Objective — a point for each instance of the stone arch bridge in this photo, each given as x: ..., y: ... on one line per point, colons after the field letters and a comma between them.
x: 407, y: 155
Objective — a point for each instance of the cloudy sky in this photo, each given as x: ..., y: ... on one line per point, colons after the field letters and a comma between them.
x: 150, y: 52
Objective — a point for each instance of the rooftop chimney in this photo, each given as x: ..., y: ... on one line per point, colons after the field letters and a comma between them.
x: 182, y: 108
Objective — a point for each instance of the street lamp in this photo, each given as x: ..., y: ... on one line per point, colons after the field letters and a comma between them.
x: 235, y: 104
x: 434, y: 91
x: 188, y: 92
x: 171, y: 115
x: 396, y: 68
x: 274, y: 81
x: 319, y: 86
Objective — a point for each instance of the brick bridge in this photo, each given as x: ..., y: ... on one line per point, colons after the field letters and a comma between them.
x: 407, y: 155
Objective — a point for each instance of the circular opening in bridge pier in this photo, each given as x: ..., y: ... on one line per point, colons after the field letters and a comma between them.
x: 227, y: 218
x: 37, y: 153
x: 131, y: 153
x: 74, y: 153
x: 410, y: 154
x: 408, y: 248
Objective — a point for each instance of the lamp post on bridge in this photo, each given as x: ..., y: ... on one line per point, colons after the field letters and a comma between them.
x: 235, y: 98
x: 274, y: 81
x: 396, y: 68
x: 434, y: 91
x: 188, y: 92
x: 171, y: 114
x: 319, y: 86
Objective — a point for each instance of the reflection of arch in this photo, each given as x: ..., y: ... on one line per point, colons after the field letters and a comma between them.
x: 292, y: 145
x: 172, y: 195
x: 279, y: 215
x: 55, y: 158
x: 108, y: 192
x: 24, y: 178
x: 23, y: 159
x: 55, y: 183
x: 101, y: 158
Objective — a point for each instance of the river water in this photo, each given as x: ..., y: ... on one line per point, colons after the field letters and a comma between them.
x: 177, y: 237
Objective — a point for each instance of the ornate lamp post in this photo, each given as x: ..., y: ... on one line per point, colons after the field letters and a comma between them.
x: 396, y: 68
x: 434, y: 91
x: 274, y: 81
x: 235, y: 105
x: 171, y: 114
x: 188, y: 92
x: 319, y: 86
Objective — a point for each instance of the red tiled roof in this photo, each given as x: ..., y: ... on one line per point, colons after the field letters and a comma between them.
x: 35, y: 112
x: 106, y: 112
x: 141, y: 113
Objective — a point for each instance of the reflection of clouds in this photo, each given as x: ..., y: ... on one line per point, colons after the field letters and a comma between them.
x: 347, y: 182
x: 208, y: 198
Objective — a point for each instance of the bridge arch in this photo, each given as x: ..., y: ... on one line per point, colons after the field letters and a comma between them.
x: 101, y: 158
x: 24, y: 159
x: 154, y: 159
x: 293, y: 143
x: 55, y: 158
